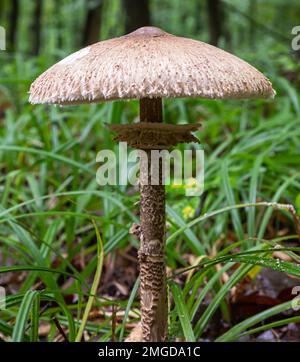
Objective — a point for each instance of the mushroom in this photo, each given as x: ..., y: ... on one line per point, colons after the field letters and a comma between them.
x: 149, y: 64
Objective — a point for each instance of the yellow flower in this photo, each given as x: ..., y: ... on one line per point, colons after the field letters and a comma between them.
x: 188, y: 212
x: 254, y: 271
x: 192, y: 182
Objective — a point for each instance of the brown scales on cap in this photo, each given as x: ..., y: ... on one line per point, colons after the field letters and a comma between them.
x: 148, y: 63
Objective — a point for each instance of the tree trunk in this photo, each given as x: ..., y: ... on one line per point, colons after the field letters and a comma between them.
x: 13, y: 24
x: 92, y: 26
x: 252, y: 25
x: 152, y: 239
x: 36, y: 27
x: 214, y: 21
x: 2, y: 12
x: 137, y: 14
x: 58, y: 24
x: 199, y: 9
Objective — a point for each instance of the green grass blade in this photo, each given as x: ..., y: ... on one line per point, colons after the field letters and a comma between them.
x: 235, y: 331
x: 210, y: 310
x: 208, y: 287
x: 182, y: 312
x: 189, y: 234
x: 49, y: 155
x: 218, y: 212
x: 252, y: 195
x: 231, y: 201
x: 268, y: 326
x: 69, y: 316
x: 94, y: 287
x: 6, y: 269
x: 22, y: 316
x: 34, y: 330
x: 128, y: 306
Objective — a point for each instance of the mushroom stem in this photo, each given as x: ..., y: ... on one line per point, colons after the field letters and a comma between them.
x: 153, y: 289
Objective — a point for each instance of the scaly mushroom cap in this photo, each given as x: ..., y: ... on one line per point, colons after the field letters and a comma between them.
x: 148, y: 63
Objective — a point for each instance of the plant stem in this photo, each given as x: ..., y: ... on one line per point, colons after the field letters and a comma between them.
x: 152, y: 238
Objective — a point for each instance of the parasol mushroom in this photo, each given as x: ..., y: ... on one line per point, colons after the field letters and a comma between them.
x: 149, y: 64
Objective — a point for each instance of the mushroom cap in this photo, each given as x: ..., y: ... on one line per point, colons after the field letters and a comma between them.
x: 148, y: 63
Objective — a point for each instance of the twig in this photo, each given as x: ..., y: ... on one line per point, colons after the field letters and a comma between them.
x: 113, y: 324
x: 59, y: 327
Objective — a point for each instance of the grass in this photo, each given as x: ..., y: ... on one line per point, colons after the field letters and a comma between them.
x: 51, y: 207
